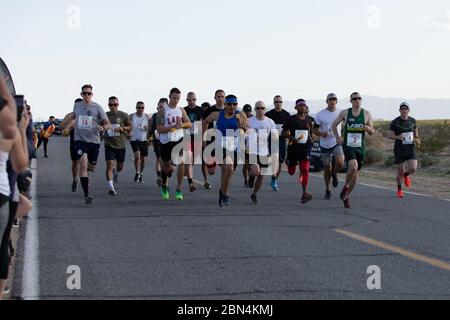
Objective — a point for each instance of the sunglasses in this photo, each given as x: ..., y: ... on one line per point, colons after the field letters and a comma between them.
x: 358, y: 98
x: 404, y: 108
x: 232, y: 104
x: 191, y: 99
x: 278, y: 101
x: 140, y: 108
x: 113, y: 104
x: 86, y: 93
x: 260, y: 108
x: 332, y: 99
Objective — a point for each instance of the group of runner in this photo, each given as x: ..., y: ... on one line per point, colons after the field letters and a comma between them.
x: 222, y: 135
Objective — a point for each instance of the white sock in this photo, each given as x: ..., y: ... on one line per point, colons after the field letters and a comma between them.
x: 110, y: 185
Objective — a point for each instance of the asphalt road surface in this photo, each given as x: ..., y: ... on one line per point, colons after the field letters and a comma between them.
x: 137, y: 246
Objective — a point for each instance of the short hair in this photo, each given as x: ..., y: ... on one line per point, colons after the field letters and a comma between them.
x: 205, y: 105
x: 174, y: 91
x: 277, y: 96
x: 139, y: 102
x: 86, y: 86
x: 219, y: 91
x: 191, y: 94
x: 354, y: 94
x: 51, y: 117
x: 113, y: 98
x: 78, y: 100
x: 165, y: 100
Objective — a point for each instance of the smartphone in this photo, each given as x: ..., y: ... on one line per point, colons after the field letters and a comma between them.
x: 20, y: 103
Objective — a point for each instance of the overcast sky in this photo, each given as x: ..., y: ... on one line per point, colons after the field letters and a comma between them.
x: 138, y: 50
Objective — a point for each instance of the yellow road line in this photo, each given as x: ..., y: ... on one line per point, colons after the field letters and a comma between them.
x: 406, y: 253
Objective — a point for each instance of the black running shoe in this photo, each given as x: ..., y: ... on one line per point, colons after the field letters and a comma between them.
x: 141, y: 178
x: 75, y: 186
x: 335, y: 180
x: 226, y: 200
x: 254, y: 198
x: 327, y: 195
x: 88, y: 199
x: 136, y: 177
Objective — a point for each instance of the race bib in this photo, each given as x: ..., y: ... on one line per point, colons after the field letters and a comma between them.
x: 258, y: 144
x: 407, y: 138
x: 354, y: 140
x: 85, y: 122
x: 194, y: 129
x: 176, y: 135
x: 111, y: 133
x: 301, y: 136
x: 230, y: 143
x: 156, y: 135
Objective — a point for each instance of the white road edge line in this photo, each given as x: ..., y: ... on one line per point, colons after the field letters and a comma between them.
x: 30, y: 277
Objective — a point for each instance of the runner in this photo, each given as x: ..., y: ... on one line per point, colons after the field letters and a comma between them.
x: 328, y: 145
x: 90, y: 119
x: 70, y: 131
x: 406, y: 135
x: 205, y: 106
x: 195, y: 115
x: 154, y: 138
x: 170, y: 125
x: 209, y: 166
x: 298, y: 129
x: 249, y: 183
x: 139, y: 139
x: 357, y: 122
x: 227, y: 122
x: 261, y: 128
x: 279, y: 116
x: 45, y: 134
x: 115, y: 148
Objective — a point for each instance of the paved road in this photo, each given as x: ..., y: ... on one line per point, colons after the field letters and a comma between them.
x: 138, y: 246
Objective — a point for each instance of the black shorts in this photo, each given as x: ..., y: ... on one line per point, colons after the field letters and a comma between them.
x: 73, y: 152
x: 140, y: 146
x: 352, y: 154
x: 402, y: 155
x: 112, y: 154
x: 157, y: 148
x: 91, y: 149
x: 294, y: 158
x: 166, y: 150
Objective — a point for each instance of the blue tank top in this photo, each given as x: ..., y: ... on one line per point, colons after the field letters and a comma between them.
x: 223, y: 124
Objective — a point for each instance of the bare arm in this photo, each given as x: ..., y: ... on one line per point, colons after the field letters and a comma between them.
x: 369, y: 124
x: 8, y: 115
x: 341, y: 118
x: 210, y: 119
x: 185, y: 120
x: 19, y: 150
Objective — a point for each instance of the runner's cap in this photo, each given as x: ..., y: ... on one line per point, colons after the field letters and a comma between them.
x: 300, y: 103
x: 404, y: 104
x: 331, y: 96
x: 231, y: 100
x: 247, y: 108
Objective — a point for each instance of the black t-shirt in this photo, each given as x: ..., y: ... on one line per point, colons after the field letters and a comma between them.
x: 400, y: 126
x: 296, y: 127
x: 278, y: 117
x: 194, y: 115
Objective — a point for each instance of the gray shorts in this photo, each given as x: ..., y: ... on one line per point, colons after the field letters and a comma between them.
x: 327, y: 154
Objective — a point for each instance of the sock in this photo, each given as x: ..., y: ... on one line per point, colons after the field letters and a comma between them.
x: 164, y: 178
x: 85, y: 185
x: 190, y: 181
x: 158, y: 173
x: 399, y: 187
x: 406, y: 174
x: 110, y: 184
x: 291, y: 170
x: 304, y: 168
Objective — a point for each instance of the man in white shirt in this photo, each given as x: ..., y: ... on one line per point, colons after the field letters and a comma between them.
x: 330, y: 148
x: 140, y: 124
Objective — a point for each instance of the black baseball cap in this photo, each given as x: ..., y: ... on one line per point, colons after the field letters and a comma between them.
x: 247, y: 108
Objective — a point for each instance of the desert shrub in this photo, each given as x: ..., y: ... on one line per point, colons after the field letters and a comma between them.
x: 373, y: 155
x: 426, y: 161
x: 389, y: 161
x: 437, y: 140
x: 375, y: 141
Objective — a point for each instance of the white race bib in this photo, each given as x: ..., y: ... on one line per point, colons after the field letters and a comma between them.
x: 258, y: 144
x: 85, y: 122
x: 354, y: 140
x: 111, y: 132
x: 407, y: 138
x: 230, y: 143
x: 195, y: 128
x: 156, y: 135
x: 301, y: 136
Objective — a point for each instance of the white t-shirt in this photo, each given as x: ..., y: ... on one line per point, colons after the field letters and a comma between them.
x: 258, y: 138
x: 325, y: 120
x: 140, y: 127
x: 171, y: 116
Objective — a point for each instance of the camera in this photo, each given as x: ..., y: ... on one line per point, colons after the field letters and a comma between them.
x: 20, y: 103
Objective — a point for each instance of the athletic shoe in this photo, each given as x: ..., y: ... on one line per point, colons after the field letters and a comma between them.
x: 159, y: 182
x: 165, y: 193
x: 115, y: 176
x: 254, y: 198
x: 327, y: 195
x: 220, y: 198
x: 400, y: 194
x: 226, y: 200
x: 88, y: 199
x: 347, y: 203
x: 335, y: 180
x: 192, y: 187
x: 408, y: 183
x: 306, y: 198
x: 7, y: 290
x: 112, y: 192
x: 141, y: 179
x: 75, y: 186
x: 274, y: 185
x: 136, y: 177
x: 251, y: 182
x: 344, y: 193
x: 207, y: 185
x: 178, y: 195
x: 46, y: 156
x: 16, y: 223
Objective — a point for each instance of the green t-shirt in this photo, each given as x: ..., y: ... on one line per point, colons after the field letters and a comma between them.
x: 112, y: 139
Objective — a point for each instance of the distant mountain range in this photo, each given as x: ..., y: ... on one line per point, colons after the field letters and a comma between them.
x: 387, y: 108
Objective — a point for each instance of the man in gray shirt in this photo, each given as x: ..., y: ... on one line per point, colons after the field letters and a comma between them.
x: 89, y: 121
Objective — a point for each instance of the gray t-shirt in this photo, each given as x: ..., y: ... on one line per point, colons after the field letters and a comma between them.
x: 88, y: 118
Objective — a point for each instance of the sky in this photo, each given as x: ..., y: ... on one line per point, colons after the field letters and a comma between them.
x: 139, y: 50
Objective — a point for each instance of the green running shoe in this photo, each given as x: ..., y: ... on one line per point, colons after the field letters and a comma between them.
x: 178, y: 195
x: 165, y: 193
